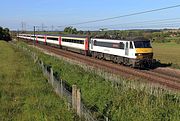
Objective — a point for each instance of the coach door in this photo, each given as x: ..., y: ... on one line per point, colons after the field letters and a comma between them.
x: 127, y: 49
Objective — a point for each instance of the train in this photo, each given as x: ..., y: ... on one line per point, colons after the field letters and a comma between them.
x: 133, y: 52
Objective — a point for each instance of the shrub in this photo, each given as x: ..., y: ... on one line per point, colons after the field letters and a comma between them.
x: 177, y: 41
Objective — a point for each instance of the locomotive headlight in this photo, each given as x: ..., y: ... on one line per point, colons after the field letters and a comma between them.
x: 139, y: 56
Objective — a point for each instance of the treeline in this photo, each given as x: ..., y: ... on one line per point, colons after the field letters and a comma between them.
x: 159, y: 36
x: 5, y: 34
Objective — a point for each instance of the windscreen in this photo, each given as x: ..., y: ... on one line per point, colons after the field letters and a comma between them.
x: 142, y: 44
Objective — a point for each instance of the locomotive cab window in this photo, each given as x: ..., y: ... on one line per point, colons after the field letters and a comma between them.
x: 142, y: 44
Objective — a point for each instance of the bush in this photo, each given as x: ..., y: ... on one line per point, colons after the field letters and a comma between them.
x: 4, y: 34
x: 177, y: 41
x: 160, y: 40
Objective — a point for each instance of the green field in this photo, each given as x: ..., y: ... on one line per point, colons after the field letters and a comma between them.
x: 167, y: 53
x: 25, y: 94
x: 119, y: 103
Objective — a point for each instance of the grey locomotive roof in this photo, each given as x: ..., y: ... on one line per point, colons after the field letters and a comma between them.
x: 129, y: 39
x: 138, y: 39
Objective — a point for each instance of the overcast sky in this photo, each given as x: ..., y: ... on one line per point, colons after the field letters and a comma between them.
x: 65, y: 12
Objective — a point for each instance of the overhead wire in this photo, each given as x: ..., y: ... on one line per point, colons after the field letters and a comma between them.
x: 141, y: 22
x: 121, y: 16
x: 126, y: 15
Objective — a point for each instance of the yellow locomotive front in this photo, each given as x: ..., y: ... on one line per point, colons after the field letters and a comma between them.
x: 143, y: 53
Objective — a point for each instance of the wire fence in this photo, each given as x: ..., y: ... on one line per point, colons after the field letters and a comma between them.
x: 64, y: 89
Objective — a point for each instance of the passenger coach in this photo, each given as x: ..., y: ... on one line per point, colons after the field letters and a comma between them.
x: 78, y: 43
x: 71, y: 42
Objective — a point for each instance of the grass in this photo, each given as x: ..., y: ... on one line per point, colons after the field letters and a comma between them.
x: 24, y: 92
x: 119, y: 103
x: 167, y: 53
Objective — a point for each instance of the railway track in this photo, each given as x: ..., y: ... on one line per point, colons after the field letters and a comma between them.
x: 166, y: 77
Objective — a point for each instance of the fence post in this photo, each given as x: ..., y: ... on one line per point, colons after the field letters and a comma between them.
x: 74, y: 95
x: 51, y: 76
x: 35, y: 59
x: 61, y: 87
x: 78, y: 102
x: 42, y: 66
x: 57, y: 89
x: 69, y: 106
x: 107, y: 119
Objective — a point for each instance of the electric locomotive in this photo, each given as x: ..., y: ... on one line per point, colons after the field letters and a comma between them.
x: 135, y: 52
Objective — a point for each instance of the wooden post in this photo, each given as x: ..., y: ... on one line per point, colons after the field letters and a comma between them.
x: 58, y: 89
x: 35, y: 59
x: 74, y: 95
x: 69, y: 106
x: 78, y: 102
x: 61, y: 87
x: 42, y: 66
x: 51, y: 76
x: 107, y: 119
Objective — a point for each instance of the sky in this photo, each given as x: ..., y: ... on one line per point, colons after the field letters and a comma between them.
x: 56, y: 14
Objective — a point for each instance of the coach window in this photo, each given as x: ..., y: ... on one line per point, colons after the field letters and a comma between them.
x: 41, y: 37
x: 82, y: 42
x: 52, y: 38
x: 94, y: 42
x: 131, y: 45
x: 121, y: 45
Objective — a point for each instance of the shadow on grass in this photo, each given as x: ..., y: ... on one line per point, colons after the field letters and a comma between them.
x: 155, y: 65
x: 159, y: 64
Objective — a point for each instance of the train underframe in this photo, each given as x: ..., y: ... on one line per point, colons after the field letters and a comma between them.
x: 135, y: 63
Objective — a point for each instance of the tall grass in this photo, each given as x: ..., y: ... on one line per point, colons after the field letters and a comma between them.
x: 24, y: 92
x: 118, y: 102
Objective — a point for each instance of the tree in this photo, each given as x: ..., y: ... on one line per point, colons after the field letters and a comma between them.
x: 6, y: 30
x: 70, y: 30
x: 4, y: 34
x: 80, y: 32
x: 148, y: 35
x: 1, y: 29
